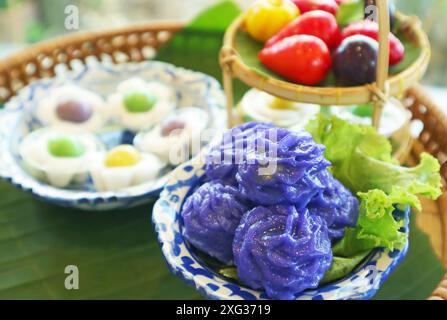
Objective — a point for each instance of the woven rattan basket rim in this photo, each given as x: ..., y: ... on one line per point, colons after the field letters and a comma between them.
x: 398, y: 84
x: 65, y: 41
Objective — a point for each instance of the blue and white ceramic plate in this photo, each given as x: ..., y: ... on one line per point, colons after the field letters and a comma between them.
x: 16, y: 121
x: 363, y: 283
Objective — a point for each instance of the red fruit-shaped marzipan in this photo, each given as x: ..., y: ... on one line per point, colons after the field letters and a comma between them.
x: 303, y: 59
x: 330, y: 6
x: 317, y: 23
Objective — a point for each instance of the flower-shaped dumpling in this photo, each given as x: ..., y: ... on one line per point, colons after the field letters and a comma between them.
x: 73, y: 106
x: 59, y: 157
x: 336, y: 205
x: 211, y: 215
x: 124, y: 167
x: 138, y: 104
x: 282, y: 169
x: 223, y: 159
x: 282, y: 250
x: 177, y: 138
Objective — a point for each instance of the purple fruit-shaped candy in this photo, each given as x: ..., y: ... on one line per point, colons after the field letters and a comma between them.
x: 172, y: 126
x: 76, y: 111
x: 355, y: 60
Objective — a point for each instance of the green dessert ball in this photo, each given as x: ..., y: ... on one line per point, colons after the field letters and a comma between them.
x: 139, y: 101
x: 65, y: 147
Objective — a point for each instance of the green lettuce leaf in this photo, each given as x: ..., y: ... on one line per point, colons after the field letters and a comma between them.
x: 377, y: 227
x: 362, y: 160
x: 342, y: 138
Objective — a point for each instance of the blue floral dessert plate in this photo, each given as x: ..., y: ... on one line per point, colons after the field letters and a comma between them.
x: 17, y: 120
x: 183, y: 260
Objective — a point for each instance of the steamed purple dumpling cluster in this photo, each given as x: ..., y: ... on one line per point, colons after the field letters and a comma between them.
x: 210, y: 217
x: 282, y: 250
x: 270, y: 206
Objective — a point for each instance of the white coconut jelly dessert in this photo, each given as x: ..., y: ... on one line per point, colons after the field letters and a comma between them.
x: 177, y: 137
x: 72, y: 106
x: 123, y: 167
x: 138, y: 104
x: 59, y: 157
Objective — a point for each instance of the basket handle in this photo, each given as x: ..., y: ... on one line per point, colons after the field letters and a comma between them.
x: 383, y: 60
x: 226, y: 57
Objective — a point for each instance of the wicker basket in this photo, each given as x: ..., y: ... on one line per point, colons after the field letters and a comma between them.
x: 134, y: 42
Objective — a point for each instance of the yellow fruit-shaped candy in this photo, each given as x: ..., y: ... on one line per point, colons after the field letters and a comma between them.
x: 265, y: 18
x: 122, y: 156
x: 281, y: 104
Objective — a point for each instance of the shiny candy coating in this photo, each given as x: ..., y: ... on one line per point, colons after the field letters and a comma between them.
x: 303, y: 59
x: 265, y: 18
x: 139, y: 101
x: 122, y: 156
x: 371, y: 29
x: 211, y: 215
x: 65, y: 147
x: 76, y: 111
x: 355, y: 60
x: 330, y: 6
x: 282, y: 250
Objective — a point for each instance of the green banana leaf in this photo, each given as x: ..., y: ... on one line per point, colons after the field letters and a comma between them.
x: 117, y: 253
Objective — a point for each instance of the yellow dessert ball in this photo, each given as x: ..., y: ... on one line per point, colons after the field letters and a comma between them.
x: 122, y: 156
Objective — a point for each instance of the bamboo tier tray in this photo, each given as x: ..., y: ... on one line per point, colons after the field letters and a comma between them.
x: 234, y: 67
x: 136, y: 43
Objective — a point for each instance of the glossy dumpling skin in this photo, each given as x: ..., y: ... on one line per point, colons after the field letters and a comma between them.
x: 336, y: 205
x: 294, y: 160
x: 282, y: 250
x: 223, y: 158
x: 210, y: 216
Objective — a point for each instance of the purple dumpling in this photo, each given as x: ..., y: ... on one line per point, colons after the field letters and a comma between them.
x: 336, y: 205
x: 282, y: 250
x: 210, y: 216
x: 222, y: 160
x: 285, y: 172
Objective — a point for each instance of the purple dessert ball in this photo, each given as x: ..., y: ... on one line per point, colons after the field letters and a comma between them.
x: 282, y: 250
x: 210, y: 216
x: 336, y: 205
x: 76, y: 111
